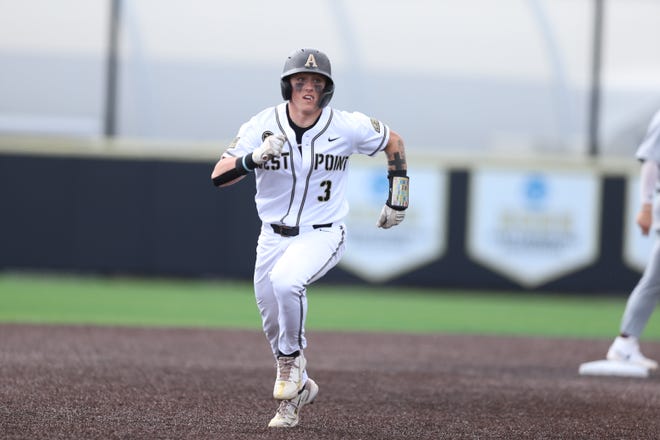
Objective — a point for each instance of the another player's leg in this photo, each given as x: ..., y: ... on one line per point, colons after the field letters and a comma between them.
x: 639, y: 307
x: 626, y: 349
x: 288, y: 412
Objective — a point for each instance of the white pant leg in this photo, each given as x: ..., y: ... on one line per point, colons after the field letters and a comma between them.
x: 644, y: 297
x: 269, y: 249
x: 285, y: 267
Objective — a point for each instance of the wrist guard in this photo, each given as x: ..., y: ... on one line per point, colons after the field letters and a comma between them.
x: 243, y: 166
x: 397, y: 198
x: 246, y: 163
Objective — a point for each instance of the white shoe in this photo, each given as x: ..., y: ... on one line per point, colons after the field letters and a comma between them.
x: 627, y: 350
x: 289, y: 379
x: 287, y: 414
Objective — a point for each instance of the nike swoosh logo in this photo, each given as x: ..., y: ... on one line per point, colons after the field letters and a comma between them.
x: 333, y: 139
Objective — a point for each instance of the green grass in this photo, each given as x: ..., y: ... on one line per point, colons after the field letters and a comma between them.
x: 177, y: 303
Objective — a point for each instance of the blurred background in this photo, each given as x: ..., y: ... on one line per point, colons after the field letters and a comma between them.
x: 512, y: 75
x: 521, y: 119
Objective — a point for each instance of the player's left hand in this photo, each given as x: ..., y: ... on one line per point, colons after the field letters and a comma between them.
x: 390, y: 217
x: 645, y: 218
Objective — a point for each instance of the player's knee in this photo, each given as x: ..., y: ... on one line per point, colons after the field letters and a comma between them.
x: 284, y: 282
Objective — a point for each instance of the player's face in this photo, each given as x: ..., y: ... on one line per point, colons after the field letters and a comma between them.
x: 306, y: 90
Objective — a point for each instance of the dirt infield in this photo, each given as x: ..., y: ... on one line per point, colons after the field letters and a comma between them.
x: 61, y: 382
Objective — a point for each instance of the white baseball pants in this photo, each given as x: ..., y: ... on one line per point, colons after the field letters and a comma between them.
x: 284, y: 267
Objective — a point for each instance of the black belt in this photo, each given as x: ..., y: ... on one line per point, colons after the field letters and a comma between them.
x: 292, y: 231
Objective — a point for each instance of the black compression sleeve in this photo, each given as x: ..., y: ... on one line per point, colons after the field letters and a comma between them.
x: 232, y: 174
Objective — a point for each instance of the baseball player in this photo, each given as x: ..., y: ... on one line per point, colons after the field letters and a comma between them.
x: 644, y: 297
x: 299, y: 152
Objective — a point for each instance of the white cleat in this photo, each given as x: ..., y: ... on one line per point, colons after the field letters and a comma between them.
x: 627, y: 350
x: 289, y: 410
x: 289, y: 379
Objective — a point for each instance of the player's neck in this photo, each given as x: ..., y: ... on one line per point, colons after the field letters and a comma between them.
x: 303, y: 119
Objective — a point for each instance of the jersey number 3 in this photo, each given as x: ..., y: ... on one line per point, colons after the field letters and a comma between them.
x: 327, y: 185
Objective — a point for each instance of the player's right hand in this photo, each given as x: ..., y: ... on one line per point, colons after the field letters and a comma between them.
x: 271, y: 147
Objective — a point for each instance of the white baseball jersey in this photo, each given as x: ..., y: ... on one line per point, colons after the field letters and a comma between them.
x: 307, y: 186
x: 649, y: 149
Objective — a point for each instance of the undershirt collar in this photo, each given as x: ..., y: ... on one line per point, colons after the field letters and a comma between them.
x: 299, y: 130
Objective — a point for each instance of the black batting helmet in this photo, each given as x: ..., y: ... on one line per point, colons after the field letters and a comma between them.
x: 308, y: 60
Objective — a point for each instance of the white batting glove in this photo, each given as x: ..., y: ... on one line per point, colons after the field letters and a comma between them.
x: 271, y: 147
x: 390, y: 217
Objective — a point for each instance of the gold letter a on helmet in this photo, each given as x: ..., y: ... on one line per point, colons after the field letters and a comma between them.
x: 311, y: 61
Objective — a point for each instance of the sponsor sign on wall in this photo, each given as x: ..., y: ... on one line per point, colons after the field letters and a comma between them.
x: 533, y: 226
x: 377, y: 254
x: 636, y: 247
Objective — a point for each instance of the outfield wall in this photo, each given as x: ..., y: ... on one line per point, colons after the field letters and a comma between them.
x: 536, y: 224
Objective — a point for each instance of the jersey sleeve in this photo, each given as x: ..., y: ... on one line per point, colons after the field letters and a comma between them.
x: 649, y: 148
x: 648, y: 179
x: 247, y: 139
x: 372, y: 135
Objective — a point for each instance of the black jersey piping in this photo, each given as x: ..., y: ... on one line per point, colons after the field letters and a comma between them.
x: 380, y: 146
x: 328, y: 261
x: 334, y: 254
x: 302, y: 318
x: 293, y: 170
x: 311, y: 168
